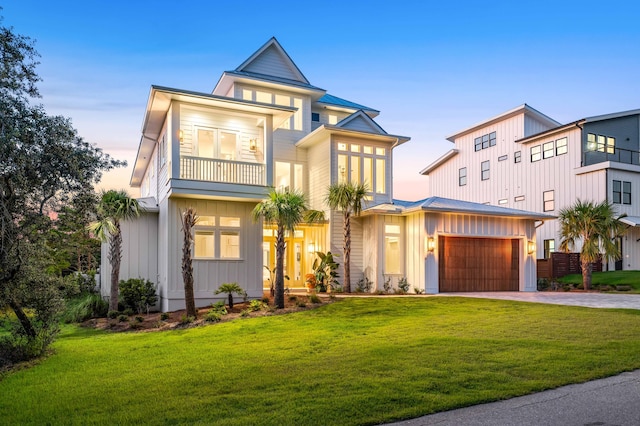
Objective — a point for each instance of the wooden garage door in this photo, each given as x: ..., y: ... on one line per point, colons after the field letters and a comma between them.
x: 478, y: 264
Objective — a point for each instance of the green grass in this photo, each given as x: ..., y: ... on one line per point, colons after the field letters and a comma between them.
x: 357, y: 361
x: 612, y: 278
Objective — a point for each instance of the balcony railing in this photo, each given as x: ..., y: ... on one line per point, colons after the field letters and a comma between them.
x: 224, y: 171
x: 619, y: 155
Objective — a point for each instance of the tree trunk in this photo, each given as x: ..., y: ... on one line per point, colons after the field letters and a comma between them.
x: 25, y: 322
x: 188, y: 220
x: 347, y: 252
x: 586, y: 274
x: 279, y: 285
x: 230, y: 301
x: 115, y: 256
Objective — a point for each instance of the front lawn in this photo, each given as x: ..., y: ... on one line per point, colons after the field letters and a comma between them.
x: 610, y: 278
x: 357, y: 361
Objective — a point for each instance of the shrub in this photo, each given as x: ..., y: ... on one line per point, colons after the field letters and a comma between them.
x: 213, y: 316
x: 219, y: 308
x: 301, y: 304
x: 543, y: 284
x: 231, y: 288
x: 16, y: 347
x: 314, y: 298
x: 128, y: 312
x: 364, y: 285
x: 113, y: 314
x: 418, y: 290
x: 184, y: 319
x: 80, y: 309
x: 139, y: 318
x: 123, y: 318
x: 245, y: 313
x: 293, y: 298
x: 403, y: 285
x: 78, y: 284
x: 265, y: 300
x: 138, y: 294
x: 164, y: 316
x: 387, y: 285
x: 256, y: 305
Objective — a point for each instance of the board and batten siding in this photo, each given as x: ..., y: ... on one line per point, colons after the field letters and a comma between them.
x: 139, y: 254
x: 473, y: 226
x: 337, y: 244
x: 319, y: 174
x: 272, y: 62
x: 210, y: 274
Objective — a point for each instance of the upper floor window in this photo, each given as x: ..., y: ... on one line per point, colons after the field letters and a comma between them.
x: 548, y: 202
x: 517, y: 156
x: 484, y: 174
x: 163, y: 150
x: 289, y: 176
x: 601, y: 143
x: 358, y: 164
x: 315, y: 116
x: 536, y: 153
x: 621, y: 192
x: 293, y: 123
x: 216, y: 143
x: 332, y: 119
x: 561, y: 146
x: 462, y: 176
x: 547, y: 150
x: 485, y: 141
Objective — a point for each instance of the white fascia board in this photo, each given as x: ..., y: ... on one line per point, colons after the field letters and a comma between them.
x: 431, y: 167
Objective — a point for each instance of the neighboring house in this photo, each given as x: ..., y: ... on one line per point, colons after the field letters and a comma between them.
x: 523, y: 159
x: 266, y: 126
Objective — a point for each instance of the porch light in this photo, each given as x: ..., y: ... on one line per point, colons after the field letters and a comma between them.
x: 431, y: 244
x: 311, y: 247
x: 253, y: 144
x: 531, y: 247
x: 180, y: 135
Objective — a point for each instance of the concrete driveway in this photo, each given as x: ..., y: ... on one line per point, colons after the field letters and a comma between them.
x: 590, y: 300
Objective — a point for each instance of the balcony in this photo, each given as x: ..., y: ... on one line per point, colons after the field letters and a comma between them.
x: 222, y: 171
x: 618, y: 155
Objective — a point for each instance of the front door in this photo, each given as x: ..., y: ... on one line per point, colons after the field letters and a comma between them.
x: 294, y: 258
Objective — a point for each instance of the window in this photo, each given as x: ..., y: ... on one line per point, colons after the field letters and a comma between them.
x: 315, y: 116
x: 485, y: 141
x: 380, y: 176
x: 283, y: 175
x: 518, y: 198
x: 549, y: 247
x: 163, y: 150
x: 226, y: 235
x: 392, y: 253
x: 332, y: 118
x: 362, y: 164
x: 355, y: 169
x: 502, y: 201
x: 503, y: 157
x: 535, y: 153
x: 216, y: 143
x: 621, y: 192
x: 601, y: 143
x: 484, y: 175
x: 548, y: 201
x: 517, y: 157
x: 342, y: 168
x: 561, y: 146
x: 547, y: 150
x: 462, y: 176
x: 367, y: 171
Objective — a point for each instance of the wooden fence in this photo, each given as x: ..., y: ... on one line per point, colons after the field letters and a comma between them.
x: 561, y: 264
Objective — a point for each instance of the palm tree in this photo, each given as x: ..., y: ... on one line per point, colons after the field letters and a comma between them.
x: 189, y: 219
x: 286, y: 209
x: 348, y: 197
x: 114, y: 207
x: 597, y: 226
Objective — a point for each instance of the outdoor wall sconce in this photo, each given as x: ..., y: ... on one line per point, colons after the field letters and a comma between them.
x: 180, y: 135
x: 253, y: 144
x: 531, y: 247
x: 311, y: 247
x: 431, y: 244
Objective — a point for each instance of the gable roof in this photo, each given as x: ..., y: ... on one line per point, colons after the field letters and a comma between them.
x: 339, y: 102
x: 524, y: 108
x: 272, y: 56
x: 448, y: 205
x: 443, y: 159
x: 359, y: 120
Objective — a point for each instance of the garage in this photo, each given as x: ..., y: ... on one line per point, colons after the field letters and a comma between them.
x: 478, y: 264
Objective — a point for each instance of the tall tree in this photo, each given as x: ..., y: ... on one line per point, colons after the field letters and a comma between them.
x: 189, y: 219
x: 285, y: 209
x: 114, y: 207
x: 43, y: 163
x: 348, y: 198
x: 596, y: 226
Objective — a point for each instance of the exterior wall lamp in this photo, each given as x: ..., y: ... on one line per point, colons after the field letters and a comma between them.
x: 531, y: 247
x: 431, y: 244
x: 181, y: 135
x: 311, y: 247
x: 253, y: 144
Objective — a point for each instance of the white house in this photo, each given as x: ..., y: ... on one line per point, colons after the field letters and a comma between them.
x: 265, y: 125
x: 523, y: 159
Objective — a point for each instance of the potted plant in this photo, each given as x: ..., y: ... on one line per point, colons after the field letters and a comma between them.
x: 310, y: 282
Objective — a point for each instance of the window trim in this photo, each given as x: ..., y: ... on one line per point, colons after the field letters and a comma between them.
x: 486, y: 170
x: 462, y: 178
x: 545, y: 200
x: 217, y: 230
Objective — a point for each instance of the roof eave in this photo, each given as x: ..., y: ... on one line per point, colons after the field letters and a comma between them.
x: 443, y: 159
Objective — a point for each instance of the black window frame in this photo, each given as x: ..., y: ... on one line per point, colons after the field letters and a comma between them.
x: 517, y: 156
x: 564, y: 147
x: 537, y: 154
x: 548, y: 149
x: 548, y: 205
x: 549, y: 248
x: 315, y: 115
x: 485, y: 173
x: 462, y: 178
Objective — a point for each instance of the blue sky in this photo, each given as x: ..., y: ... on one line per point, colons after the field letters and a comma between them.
x: 431, y: 68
